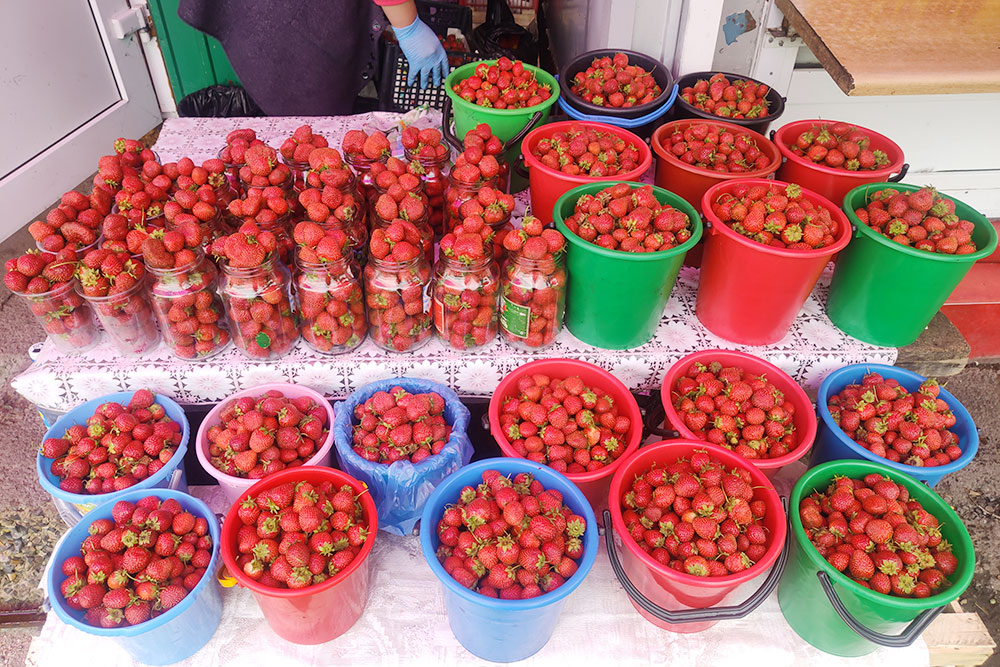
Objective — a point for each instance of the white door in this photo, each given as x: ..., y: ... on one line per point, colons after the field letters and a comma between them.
x: 68, y: 89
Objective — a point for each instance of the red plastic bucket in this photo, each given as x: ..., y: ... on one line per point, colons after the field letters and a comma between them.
x: 691, y: 182
x: 548, y: 184
x: 594, y: 484
x: 750, y: 293
x: 804, y: 419
x: 678, y: 601
x: 827, y: 181
x: 322, y: 612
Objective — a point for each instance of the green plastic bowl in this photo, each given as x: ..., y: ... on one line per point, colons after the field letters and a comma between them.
x: 809, y: 610
x: 614, y: 299
x: 863, y: 301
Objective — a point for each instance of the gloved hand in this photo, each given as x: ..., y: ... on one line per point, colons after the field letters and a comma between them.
x: 423, y: 52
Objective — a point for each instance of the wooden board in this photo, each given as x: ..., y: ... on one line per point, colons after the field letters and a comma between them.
x: 958, y: 638
x: 914, y: 47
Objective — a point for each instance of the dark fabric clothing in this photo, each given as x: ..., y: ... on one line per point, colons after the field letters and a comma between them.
x: 294, y: 57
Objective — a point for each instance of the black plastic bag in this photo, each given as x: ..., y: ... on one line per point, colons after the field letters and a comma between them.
x: 500, y: 35
x: 219, y: 101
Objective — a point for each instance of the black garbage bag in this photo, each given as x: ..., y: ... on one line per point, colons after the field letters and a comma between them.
x: 218, y: 101
x: 500, y: 35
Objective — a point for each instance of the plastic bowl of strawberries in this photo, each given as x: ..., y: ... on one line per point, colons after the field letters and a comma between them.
x: 262, y: 430
x: 616, y: 82
x: 572, y: 416
x: 142, y: 589
x: 537, y: 540
x: 895, y: 417
x: 701, y: 390
x: 732, y: 97
x: 694, y: 533
x: 300, y: 541
x: 111, y: 445
x: 831, y: 157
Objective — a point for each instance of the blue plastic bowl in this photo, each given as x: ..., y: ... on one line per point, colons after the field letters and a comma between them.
x: 832, y: 443
x: 628, y: 123
x: 79, y: 415
x: 504, y: 630
x: 170, y: 637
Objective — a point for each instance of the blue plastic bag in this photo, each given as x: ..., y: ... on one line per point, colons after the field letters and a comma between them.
x: 401, y: 489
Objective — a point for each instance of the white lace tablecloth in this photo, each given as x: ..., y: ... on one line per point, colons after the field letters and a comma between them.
x: 405, y: 623
x: 811, y: 349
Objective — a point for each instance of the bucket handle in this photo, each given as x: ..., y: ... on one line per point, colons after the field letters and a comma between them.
x: 457, y: 143
x: 529, y: 126
x: 693, y: 615
x: 904, y: 638
x: 902, y: 173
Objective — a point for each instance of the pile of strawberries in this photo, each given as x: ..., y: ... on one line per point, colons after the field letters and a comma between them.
x: 741, y: 411
x: 259, y: 435
x: 612, y: 82
x: 466, y: 286
x: 140, y: 201
x: 360, y: 144
x: 425, y: 143
x: 199, y: 205
x: 397, y: 425
x: 185, y: 175
x: 777, y: 215
x: 394, y: 175
x: 889, y: 421
x: 172, y: 249
x: 106, y: 273
x: 297, y: 535
x: 493, y: 205
x: 477, y: 164
x: 922, y: 219
x: 118, y: 446
x: 331, y: 303
x: 326, y: 167
x: 620, y: 218
x: 139, y: 564
x: 37, y: 272
x: 296, y: 148
x: 533, y: 285
x: 74, y: 222
x: 840, y: 146
x: 506, y: 84
x: 128, y: 158
x: 583, y: 150
x: 739, y: 99
x: 564, y: 423
x: 262, y: 168
x: 262, y: 206
x: 237, y: 143
x: 396, y: 293
x: 875, y: 533
x: 720, y: 149
x: 511, y: 539
x: 697, y: 517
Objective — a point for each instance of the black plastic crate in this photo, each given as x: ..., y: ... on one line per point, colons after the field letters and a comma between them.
x: 393, y: 93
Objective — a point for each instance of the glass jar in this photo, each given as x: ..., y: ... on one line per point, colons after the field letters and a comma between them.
x: 362, y: 166
x: 285, y: 185
x: 259, y: 306
x: 433, y: 174
x: 192, y: 319
x: 282, y: 229
x: 426, y: 233
x: 465, y: 302
x: 232, y: 173
x: 456, y: 194
x: 357, y: 239
x: 66, y: 317
x: 532, y: 301
x: 127, y: 318
x: 331, y: 305
x: 299, y: 170
x: 399, y: 303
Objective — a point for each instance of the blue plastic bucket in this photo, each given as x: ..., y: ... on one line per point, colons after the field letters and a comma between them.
x: 504, y: 630
x: 643, y: 125
x: 171, y: 637
x: 832, y: 443
x: 84, y: 502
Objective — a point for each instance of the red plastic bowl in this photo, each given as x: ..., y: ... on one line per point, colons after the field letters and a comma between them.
x: 748, y: 292
x: 691, y: 182
x: 593, y: 484
x: 319, y: 613
x: 827, y: 181
x: 805, y: 415
x: 548, y: 184
x: 667, y: 587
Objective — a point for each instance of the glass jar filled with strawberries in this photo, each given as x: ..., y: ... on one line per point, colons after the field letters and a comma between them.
x: 466, y: 284
x: 428, y: 159
x: 411, y: 209
x: 397, y: 295
x: 533, y: 286
x: 361, y: 151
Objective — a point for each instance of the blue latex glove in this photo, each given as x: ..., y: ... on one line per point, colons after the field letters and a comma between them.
x: 423, y: 52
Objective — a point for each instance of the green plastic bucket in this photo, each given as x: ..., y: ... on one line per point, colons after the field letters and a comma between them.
x: 614, y: 299
x: 860, y: 625
x: 863, y: 302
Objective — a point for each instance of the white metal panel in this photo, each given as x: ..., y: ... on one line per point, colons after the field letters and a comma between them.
x: 54, y: 76
x: 700, y: 22
x: 33, y: 186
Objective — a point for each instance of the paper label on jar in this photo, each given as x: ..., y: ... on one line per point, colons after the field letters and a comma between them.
x: 514, y: 318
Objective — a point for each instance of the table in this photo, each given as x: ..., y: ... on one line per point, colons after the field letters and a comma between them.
x: 56, y: 382
x: 405, y: 623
